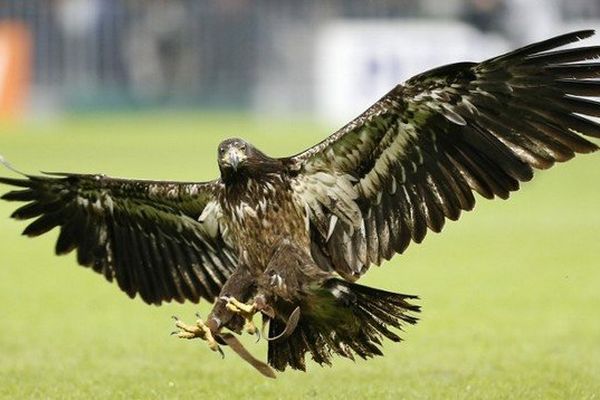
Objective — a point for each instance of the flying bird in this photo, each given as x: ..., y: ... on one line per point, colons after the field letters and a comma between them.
x: 287, y: 238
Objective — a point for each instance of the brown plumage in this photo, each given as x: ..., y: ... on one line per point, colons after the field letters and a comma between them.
x: 291, y: 235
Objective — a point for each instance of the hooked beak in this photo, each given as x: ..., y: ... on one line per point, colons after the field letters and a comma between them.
x: 233, y: 158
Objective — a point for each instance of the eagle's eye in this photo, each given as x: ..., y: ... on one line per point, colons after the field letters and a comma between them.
x: 221, y: 150
x: 243, y: 147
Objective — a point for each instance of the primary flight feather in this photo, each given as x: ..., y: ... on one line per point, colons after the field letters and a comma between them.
x: 288, y: 237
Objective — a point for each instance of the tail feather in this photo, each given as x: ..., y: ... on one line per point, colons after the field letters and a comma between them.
x: 341, y: 318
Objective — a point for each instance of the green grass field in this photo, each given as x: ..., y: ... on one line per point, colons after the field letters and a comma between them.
x: 510, y: 294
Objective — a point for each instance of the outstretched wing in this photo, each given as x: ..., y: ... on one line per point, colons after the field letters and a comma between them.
x: 414, y: 158
x: 158, y: 239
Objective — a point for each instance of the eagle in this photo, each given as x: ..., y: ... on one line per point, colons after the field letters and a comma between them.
x: 288, y: 238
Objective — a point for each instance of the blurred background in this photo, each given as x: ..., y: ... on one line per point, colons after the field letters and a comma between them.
x: 148, y: 88
x: 325, y: 58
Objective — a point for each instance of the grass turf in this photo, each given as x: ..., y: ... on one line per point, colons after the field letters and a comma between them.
x: 510, y: 294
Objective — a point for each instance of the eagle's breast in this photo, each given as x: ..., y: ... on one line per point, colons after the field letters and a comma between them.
x: 258, y: 214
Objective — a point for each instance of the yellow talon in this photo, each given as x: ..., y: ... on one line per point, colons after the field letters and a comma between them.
x: 250, y: 327
x: 245, y: 310
x: 235, y: 305
x: 207, y: 335
x: 199, y: 330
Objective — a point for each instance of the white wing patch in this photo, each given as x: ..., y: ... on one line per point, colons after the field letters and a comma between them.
x: 210, y: 218
x: 321, y: 192
x: 332, y: 222
x: 370, y: 185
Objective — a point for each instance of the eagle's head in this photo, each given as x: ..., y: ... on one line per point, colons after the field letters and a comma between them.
x: 238, y: 158
x: 233, y: 154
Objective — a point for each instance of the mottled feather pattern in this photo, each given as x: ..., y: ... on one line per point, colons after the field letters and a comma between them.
x: 255, y: 215
x: 418, y: 154
x: 328, y: 194
x: 143, y: 234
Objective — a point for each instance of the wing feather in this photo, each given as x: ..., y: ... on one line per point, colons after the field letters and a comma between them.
x: 416, y: 156
x: 146, y: 235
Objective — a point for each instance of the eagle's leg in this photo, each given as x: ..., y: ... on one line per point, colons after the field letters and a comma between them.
x: 241, y: 285
x: 246, y: 311
x: 199, y: 330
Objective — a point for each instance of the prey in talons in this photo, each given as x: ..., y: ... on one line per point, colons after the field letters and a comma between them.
x: 199, y: 330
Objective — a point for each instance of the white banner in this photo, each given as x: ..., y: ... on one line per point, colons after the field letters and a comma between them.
x: 358, y: 61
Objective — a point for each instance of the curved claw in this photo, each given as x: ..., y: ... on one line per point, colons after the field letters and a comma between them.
x: 197, y: 314
x: 258, y: 336
x: 175, y: 317
x: 221, y: 352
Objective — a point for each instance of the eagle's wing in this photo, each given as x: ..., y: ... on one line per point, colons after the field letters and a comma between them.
x: 158, y: 239
x: 413, y: 159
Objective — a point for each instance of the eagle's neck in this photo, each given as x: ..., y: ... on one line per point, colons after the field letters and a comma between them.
x: 254, y: 170
x: 250, y: 187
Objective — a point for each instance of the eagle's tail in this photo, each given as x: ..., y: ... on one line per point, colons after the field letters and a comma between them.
x: 341, y: 318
